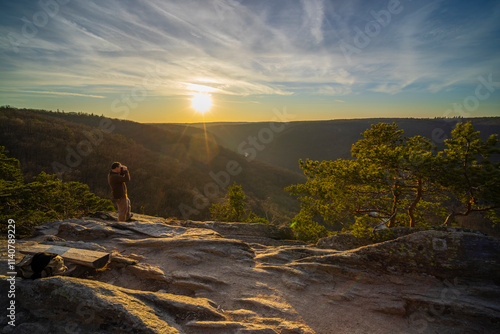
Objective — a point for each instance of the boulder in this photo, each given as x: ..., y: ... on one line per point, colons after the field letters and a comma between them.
x: 249, y: 232
x: 65, y: 304
x: 438, y: 253
x: 341, y: 241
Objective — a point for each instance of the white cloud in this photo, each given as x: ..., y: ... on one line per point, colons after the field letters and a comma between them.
x: 51, y: 93
x: 313, y: 18
x: 334, y: 90
x: 250, y: 48
x: 387, y: 88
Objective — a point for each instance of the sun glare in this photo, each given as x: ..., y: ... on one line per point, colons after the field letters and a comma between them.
x: 201, y: 102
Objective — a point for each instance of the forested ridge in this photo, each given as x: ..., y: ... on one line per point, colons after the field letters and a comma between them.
x: 168, y: 168
x: 332, y: 139
x: 182, y: 171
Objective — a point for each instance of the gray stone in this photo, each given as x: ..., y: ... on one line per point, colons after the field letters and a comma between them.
x: 210, y: 277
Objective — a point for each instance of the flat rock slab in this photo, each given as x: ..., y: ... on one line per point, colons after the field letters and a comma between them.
x: 152, y: 229
x: 88, y: 258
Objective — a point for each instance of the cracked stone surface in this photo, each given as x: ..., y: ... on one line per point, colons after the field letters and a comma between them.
x: 209, y: 277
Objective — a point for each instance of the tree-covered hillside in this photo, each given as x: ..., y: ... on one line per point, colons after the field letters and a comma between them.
x: 331, y: 139
x: 42, y: 199
x: 173, y: 174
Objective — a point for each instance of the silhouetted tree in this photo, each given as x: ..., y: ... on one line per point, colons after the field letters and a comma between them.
x: 233, y: 210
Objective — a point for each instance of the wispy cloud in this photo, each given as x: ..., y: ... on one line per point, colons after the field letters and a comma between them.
x: 313, y: 18
x: 250, y: 48
x: 51, y: 93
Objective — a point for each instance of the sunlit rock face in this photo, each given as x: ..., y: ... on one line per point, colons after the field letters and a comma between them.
x: 211, y: 277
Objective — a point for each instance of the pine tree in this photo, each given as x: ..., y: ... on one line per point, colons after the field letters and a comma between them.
x: 402, y: 179
x: 471, y: 175
x: 44, y: 199
x: 233, y: 210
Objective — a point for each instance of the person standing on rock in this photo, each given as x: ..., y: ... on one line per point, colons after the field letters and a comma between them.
x: 117, y: 178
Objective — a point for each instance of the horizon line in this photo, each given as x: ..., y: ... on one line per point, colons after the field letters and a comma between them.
x: 255, y: 122
x: 324, y: 120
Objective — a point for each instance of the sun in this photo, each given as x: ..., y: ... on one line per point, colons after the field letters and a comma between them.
x: 201, y: 102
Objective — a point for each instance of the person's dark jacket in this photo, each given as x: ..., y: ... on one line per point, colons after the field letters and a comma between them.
x: 117, y: 183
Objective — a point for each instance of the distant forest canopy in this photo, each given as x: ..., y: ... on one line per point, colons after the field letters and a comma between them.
x: 333, y: 139
x: 174, y: 174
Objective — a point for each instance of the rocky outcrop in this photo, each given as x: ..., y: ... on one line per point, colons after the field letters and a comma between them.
x: 64, y: 304
x: 438, y: 253
x: 252, y: 233
x: 195, y: 277
x: 347, y: 241
x: 342, y: 242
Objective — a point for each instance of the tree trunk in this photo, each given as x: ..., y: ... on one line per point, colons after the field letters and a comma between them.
x: 395, y: 194
x: 449, y: 219
x: 452, y: 215
x: 413, y: 206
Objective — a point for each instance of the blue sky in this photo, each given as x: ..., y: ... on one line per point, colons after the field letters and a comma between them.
x: 316, y: 59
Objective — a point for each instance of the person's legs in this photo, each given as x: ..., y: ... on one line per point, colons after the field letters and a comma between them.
x: 129, y: 209
x: 124, y: 209
x: 122, y: 206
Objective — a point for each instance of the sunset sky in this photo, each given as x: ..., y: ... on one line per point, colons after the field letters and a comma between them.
x: 316, y: 59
